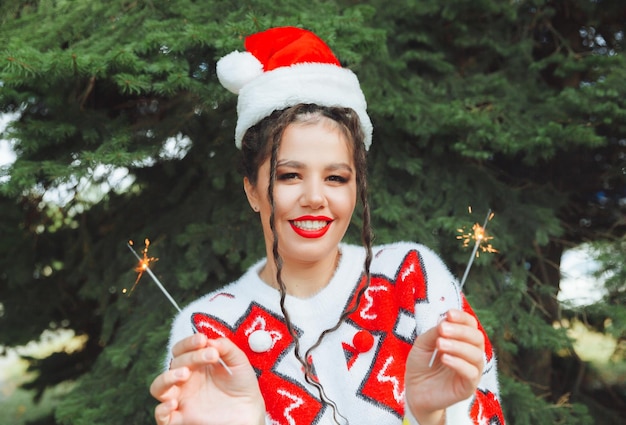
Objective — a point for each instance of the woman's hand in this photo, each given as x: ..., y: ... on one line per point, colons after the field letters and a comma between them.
x: 454, y: 376
x: 198, y: 390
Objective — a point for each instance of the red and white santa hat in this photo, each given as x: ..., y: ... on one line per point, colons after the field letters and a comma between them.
x: 283, y: 67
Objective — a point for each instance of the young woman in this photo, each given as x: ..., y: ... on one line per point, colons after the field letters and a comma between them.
x: 321, y: 332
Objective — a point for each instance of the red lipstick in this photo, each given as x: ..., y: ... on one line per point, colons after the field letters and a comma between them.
x: 311, y: 227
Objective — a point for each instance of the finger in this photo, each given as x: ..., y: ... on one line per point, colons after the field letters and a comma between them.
x: 228, y: 352
x: 461, y: 317
x: 468, y: 371
x: 469, y: 353
x: 196, y: 359
x: 191, y: 343
x: 164, y: 412
x: 462, y: 332
x: 164, y: 384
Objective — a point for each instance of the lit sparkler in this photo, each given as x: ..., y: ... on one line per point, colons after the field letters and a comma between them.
x: 144, y: 266
x: 481, y: 240
x: 144, y: 262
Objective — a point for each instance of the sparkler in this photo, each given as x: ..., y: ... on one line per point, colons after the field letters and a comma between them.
x: 480, y: 237
x: 144, y: 266
x: 478, y: 234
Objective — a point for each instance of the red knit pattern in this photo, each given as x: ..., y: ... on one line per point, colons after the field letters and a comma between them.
x: 289, y: 402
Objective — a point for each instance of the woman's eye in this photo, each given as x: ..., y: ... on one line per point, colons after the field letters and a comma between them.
x: 287, y: 176
x: 338, y: 179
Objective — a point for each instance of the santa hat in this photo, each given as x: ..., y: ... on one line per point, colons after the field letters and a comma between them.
x: 283, y: 67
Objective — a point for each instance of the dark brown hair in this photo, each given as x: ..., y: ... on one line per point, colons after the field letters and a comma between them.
x: 261, y: 142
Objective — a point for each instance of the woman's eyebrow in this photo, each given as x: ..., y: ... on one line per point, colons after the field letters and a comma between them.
x: 339, y: 166
x: 290, y: 163
x: 329, y: 167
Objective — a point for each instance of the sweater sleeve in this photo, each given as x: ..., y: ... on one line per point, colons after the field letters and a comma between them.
x: 444, y: 294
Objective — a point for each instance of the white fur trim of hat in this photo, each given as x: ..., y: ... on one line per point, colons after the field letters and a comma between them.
x: 286, y: 66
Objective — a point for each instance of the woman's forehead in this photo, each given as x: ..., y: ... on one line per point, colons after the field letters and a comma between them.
x: 311, y: 139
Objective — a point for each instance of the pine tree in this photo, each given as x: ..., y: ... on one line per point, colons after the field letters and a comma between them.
x: 514, y: 106
x: 519, y: 108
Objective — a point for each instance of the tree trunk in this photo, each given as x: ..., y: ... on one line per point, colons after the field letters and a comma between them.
x: 535, y: 365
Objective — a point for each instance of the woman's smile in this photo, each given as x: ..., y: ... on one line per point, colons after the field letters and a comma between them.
x: 310, y: 226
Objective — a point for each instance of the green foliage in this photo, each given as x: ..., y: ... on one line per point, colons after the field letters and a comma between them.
x: 514, y: 106
x: 525, y: 408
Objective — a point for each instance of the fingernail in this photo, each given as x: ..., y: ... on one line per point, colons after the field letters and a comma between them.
x: 445, y: 344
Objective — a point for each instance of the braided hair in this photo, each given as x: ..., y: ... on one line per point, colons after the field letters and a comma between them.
x: 262, y: 142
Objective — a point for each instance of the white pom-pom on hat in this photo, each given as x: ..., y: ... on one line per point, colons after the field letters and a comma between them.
x: 236, y: 69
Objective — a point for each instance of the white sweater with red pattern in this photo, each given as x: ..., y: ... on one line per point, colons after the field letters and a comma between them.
x: 361, y: 365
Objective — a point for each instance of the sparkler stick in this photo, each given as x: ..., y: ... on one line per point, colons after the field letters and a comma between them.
x: 479, y: 235
x: 143, y: 266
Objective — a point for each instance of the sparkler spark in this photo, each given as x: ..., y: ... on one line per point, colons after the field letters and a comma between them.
x: 479, y: 235
x: 144, y: 263
x: 144, y: 266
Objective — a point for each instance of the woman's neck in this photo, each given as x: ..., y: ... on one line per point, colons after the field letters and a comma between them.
x: 302, y: 280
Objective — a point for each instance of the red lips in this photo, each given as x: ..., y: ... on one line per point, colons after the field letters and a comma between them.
x: 311, y: 227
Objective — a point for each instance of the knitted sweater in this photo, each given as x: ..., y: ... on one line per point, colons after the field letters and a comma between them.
x: 361, y: 365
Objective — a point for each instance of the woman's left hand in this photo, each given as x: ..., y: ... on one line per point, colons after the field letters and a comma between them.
x: 455, y: 374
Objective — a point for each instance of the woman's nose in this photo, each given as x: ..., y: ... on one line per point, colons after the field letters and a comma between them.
x: 313, y: 196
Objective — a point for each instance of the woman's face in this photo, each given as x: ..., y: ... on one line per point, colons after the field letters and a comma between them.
x: 314, y: 192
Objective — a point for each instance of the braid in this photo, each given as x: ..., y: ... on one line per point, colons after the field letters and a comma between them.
x: 366, y: 237
x: 307, y: 367
x: 270, y: 131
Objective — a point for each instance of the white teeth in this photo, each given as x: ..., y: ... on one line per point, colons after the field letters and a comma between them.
x: 310, y: 224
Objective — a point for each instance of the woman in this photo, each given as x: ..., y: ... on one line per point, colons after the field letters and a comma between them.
x: 321, y: 331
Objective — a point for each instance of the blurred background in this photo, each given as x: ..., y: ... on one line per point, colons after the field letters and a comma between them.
x: 113, y: 127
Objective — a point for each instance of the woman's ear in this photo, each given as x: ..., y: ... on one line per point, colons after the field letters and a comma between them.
x: 251, y: 194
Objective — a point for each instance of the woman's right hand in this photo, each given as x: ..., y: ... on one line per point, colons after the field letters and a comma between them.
x: 198, y: 390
